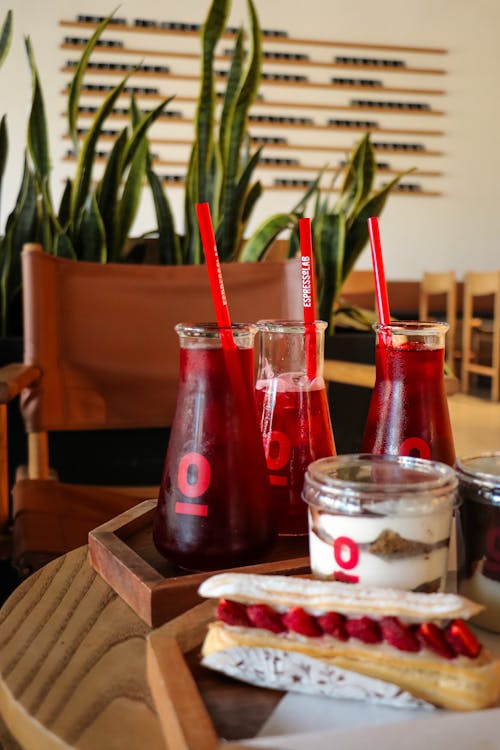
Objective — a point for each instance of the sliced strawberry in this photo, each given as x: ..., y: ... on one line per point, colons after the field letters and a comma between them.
x: 364, y: 629
x: 433, y: 638
x: 339, y: 575
x: 233, y: 613
x: 398, y: 635
x: 299, y: 621
x: 333, y: 624
x: 265, y: 617
x: 461, y: 640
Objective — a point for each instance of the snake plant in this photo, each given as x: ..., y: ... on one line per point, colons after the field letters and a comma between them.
x: 339, y: 226
x: 94, y: 217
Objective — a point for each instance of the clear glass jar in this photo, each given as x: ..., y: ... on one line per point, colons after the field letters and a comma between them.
x: 478, y: 534
x: 408, y: 413
x: 293, y: 411
x: 380, y: 520
x: 214, y: 507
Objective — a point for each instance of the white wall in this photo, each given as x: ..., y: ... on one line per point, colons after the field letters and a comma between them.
x: 459, y: 230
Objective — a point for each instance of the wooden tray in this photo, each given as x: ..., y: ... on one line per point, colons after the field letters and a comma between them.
x: 200, y: 709
x: 123, y: 553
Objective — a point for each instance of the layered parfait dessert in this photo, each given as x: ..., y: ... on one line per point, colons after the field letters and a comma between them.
x: 380, y: 520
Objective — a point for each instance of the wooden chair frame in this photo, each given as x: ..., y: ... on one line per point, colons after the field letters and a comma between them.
x: 481, y: 284
x: 434, y: 284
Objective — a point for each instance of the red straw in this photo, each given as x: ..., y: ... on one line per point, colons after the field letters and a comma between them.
x: 215, y: 275
x: 308, y: 295
x: 384, y: 315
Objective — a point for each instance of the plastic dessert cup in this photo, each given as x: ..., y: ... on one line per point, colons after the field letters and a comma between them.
x: 380, y: 520
x: 478, y: 535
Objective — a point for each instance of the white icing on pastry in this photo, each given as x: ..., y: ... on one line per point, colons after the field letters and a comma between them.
x: 317, y: 596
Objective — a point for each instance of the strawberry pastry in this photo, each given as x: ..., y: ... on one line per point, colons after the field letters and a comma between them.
x: 347, y: 640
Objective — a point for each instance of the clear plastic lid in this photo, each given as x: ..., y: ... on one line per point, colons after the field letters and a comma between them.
x: 381, y: 484
x: 481, y: 471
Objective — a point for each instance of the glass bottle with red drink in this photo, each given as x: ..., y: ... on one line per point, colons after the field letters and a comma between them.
x: 408, y: 413
x: 294, y: 416
x: 214, y: 507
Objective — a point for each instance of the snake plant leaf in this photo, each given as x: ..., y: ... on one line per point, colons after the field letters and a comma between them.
x: 260, y: 241
x: 228, y: 250
x: 192, y: 243
x: 357, y: 236
x: 293, y: 245
x: 204, y: 118
x: 24, y: 224
x: 233, y: 86
x: 108, y: 192
x: 329, y: 242
x: 169, y: 244
x: 91, y: 238
x: 5, y: 36
x: 87, y: 154
x: 63, y: 247
x: 358, y: 179
x: 299, y: 207
x: 214, y: 182
x: 4, y: 148
x: 251, y: 199
x: 140, y: 130
x: 63, y: 215
x: 131, y: 197
x: 246, y: 97
x: 75, y: 85
x: 38, y: 143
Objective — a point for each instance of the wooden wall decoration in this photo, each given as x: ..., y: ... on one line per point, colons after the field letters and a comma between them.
x: 316, y: 97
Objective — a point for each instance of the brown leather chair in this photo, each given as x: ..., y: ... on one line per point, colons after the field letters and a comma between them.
x: 101, y: 353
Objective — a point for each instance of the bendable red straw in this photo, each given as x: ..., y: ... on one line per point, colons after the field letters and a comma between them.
x: 384, y: 315
x: 215, y: 275
x: 307, y: 269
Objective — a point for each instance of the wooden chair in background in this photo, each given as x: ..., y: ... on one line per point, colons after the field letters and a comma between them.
x: 101, y: 354
x: 440, y: 286
x: 477, y: 330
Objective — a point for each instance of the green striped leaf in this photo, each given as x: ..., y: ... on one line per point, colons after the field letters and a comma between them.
x: 204, y: 118
x: 131, y: 197
x: 75, y: 85
x: 358, y: 178
x: 38, y: 142
x: 108, y: 192
x: 231, y: 93
x: 4, y: 148
x: 329, y: 241
x: 91, y: 238
x: 5, y: 36
x: 228, y: 246
x: 251, y: 199
x: 257, y: 245
x: 246, y: 97
x: 169, y: 245
x: 140, y: 130
x: 63, y: 215
x: 83, y: 178
x: 357, y: 236
x: 63, y: 247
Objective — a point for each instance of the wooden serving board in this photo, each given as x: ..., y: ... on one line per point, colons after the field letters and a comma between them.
x: 123, y: 553
x: 199, y: 709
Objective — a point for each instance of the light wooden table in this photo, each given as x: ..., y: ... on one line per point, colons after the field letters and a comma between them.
x: 73, y: 664
x: 73, y: 671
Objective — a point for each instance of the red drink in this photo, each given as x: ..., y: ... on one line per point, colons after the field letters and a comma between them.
x: 214, y: 506
x: 296, y: 429
x: 408, y: 413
